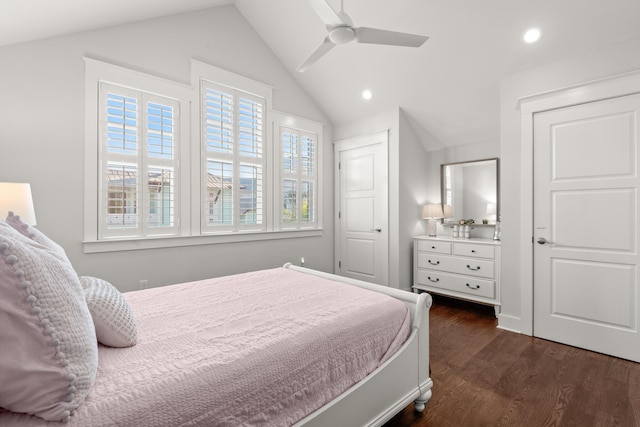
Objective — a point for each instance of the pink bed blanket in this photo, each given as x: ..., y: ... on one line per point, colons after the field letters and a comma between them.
x: 264, y: 348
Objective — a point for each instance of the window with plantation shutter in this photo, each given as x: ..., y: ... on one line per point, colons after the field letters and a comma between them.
x: 298, y: 178
x: 233, y: 183
x: 138, y: 163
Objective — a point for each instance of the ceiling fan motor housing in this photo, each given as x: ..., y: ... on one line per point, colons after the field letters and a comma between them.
x: 341, y: 34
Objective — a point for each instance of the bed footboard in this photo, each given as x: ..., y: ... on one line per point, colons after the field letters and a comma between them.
x: 402, y: 379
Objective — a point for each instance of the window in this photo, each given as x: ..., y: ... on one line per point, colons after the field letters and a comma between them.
x: 169, y: 164
x: 232, y: 132
x: 138, y: 163
x: 298, y: 163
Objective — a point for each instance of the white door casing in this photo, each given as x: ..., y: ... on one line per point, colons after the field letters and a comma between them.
x: 585, y: 226
x: 362, y: 243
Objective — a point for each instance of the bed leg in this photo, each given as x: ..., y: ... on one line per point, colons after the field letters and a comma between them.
x: 422, y: 400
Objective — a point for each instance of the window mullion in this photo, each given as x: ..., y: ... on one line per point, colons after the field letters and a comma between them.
x: 143, y: 177
x: 236, y: 163
x: 298, y: 223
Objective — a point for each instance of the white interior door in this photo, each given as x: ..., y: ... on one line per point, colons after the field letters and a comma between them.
x: 586, y: 226
x: 363, y: 210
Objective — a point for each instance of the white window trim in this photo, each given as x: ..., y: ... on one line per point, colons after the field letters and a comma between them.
x: 118, y: 245
x: 203, y: 71
x: 99, y: 71
x: 190, y: 157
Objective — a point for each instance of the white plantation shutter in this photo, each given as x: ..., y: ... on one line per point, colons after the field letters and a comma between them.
x: 447, y: 178
x: 138, y: 163
x: 308, y: 165
x: 233, y: 183
x: 299, y: 180
x: 161, y: 162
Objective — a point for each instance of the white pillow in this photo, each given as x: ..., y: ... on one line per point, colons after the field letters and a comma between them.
x: 36, y: 235
x: 112, y: 316
x: 49, y: 353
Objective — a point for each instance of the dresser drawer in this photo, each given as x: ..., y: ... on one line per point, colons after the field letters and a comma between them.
x: 469, y: 249
x: 433, y: 246
x: 467, y: 285
x: 467, y: 266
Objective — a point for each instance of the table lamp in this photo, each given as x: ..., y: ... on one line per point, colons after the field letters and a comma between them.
x: 16, y: 197
x: 432, y: 212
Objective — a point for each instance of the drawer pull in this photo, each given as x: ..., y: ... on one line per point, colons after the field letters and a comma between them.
x: 434, y: 281
x: 433, y: 247
x: 435, y: 263
x: 473, y: 269
x: 473, y: 251
x: 473, y: 287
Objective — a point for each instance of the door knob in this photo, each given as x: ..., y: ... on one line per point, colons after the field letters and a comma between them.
x: 542, y: 241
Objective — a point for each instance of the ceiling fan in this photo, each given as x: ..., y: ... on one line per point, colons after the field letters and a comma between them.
x: 341, y: 31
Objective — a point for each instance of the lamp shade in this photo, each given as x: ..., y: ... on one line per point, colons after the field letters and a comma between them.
x: 448, y: 211
x: 432, y: 211
x: 16, y: 197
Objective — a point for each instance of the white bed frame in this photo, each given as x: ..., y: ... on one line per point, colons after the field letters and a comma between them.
x: 395, y: 384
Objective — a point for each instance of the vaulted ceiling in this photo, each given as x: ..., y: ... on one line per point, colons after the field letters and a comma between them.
x: 448, y: 88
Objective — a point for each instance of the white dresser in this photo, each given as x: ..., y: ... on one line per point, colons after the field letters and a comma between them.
x: 461, y: 268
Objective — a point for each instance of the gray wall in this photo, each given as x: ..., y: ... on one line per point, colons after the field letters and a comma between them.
x: 41, y: 136
x: 414, y: 183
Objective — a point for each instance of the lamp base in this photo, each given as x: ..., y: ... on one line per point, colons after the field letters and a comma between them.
x: 432, y: 227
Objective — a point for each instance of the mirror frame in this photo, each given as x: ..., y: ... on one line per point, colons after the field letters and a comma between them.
x: 442, y: 189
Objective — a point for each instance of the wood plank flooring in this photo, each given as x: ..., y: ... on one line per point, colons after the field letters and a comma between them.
x: 484, y: 376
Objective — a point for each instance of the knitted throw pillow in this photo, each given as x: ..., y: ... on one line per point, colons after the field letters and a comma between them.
x: 112, y: 316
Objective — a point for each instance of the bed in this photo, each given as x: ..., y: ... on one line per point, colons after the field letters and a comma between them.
x: 281, y: 346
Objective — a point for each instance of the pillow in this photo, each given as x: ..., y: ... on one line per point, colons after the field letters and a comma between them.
x: 49, y: 349
x: 114, y: 322
x: 112, y: 317
x: 35, y: 234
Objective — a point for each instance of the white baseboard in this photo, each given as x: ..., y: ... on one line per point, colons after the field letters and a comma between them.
x: 509, y: 323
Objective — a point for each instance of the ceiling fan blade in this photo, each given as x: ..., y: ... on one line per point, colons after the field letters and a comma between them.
x: 326, y: 13
x: 376, y: 36
x: 325, y: 47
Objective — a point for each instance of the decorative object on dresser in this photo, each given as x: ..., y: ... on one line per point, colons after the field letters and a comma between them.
x: 465, y: 269
x: 432, y: 212
x: 497, y: 233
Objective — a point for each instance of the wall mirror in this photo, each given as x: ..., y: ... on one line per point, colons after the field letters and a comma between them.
x: 470, y: 191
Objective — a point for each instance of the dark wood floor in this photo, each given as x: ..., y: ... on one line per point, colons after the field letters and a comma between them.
x: 488, y: 377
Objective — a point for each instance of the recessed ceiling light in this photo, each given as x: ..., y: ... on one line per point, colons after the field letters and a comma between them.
x: 367, y: 94
x: 532, y: 35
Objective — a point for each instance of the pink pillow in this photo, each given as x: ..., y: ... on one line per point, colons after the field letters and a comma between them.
x: 49, y: 349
